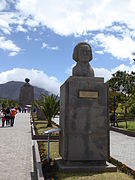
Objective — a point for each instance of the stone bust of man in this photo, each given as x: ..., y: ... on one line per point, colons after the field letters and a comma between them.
x: 82, y: 55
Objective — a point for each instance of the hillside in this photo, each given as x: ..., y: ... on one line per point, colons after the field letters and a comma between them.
x: 11, y: 90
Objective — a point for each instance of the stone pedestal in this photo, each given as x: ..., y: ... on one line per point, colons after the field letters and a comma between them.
x: 84, y: 121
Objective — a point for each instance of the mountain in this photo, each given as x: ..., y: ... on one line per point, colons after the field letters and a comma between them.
x: 11, y: 90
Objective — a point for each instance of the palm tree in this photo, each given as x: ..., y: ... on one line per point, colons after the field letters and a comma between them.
x: 50, y: 107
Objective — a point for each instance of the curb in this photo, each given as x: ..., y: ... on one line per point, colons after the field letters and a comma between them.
x: 119, y: 130
x: 37, y: 162
x: 122, y: 167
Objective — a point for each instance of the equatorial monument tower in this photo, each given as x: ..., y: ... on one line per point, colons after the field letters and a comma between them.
x: 26, y: 96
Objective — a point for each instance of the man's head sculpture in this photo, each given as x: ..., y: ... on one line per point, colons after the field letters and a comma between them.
x: 82, y: 52
x: 82, y: 55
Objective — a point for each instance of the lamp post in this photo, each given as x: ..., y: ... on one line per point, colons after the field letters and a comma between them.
x: 122, y: 91
x: 114, y: 104
x: 114, y: 110
x: 49, y: 132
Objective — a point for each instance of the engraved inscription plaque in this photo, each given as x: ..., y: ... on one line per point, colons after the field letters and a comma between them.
x: 88, y: 94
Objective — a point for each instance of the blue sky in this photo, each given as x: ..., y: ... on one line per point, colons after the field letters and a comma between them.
x: 37, y: 38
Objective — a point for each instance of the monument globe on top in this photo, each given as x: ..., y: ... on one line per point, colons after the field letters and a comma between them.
x: 27, y: 80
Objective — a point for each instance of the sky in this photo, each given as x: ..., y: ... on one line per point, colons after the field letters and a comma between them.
x: 37, y: 38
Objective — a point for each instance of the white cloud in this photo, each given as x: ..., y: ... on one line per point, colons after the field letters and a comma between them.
x: 5, y: 19
x: 99, y: 52
x: 123, y: 67
x: 37, y: 78
x: 8, y: 19
x: 3, y: 5
x: 119, y: 48
x: 36, y: 39
x: 12, y: 54
x: 44, y: 45
x: 28, y: 38
x: 102, y: 72
x: 79, y: 16
x: 54, y: 48
x: 8, y: 45
x: 69, y: 18
x: 21, y: 29
x: 32, y: 23
x: 69, y: 70
x: 107, y: 74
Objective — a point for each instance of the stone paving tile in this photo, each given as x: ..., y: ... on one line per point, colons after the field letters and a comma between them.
x: 16, y: 162
x: 122, y: 148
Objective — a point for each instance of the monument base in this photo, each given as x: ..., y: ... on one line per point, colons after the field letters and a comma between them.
x: 64, y: 166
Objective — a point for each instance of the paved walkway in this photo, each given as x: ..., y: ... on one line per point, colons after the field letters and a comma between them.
x: 122, y: 148
x: 16, y: 162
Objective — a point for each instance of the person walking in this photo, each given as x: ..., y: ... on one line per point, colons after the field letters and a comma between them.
x: 13, y: 112
x: 7, y: 116
x: 3, y: 120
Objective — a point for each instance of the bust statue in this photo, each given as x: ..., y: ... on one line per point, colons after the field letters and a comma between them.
x: 82, y: 55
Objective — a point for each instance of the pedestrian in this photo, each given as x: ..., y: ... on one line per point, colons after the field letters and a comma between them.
x: 25, y: 109
x: 7, y: 116
x: 3, y: 120
x: 19, y: 109
x: 13, y: 112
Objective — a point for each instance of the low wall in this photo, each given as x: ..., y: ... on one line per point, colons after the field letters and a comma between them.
x: 37, y: 162
x: 126, y: 132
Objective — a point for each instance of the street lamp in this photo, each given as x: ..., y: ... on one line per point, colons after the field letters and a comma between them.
x: 120, y: 90
x: 49, y: 132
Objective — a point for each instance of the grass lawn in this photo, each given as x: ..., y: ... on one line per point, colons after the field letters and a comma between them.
x: 91, y: 176
x: 130, y: 125
x: 40, y: 128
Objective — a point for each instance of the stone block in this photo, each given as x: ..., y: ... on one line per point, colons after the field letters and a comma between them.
x: 84, y: 121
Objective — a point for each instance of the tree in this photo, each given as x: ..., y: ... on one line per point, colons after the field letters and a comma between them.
x: 11, y: 103
x: 50, y: 106
x: 121, y: 78
x: 127, y: 81
x: 3, y: 103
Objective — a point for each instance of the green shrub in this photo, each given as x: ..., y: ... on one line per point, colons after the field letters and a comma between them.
x: 132, y: 108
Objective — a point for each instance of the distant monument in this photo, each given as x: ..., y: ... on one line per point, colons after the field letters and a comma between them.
x: 26, y: 96
x: 84, y: 122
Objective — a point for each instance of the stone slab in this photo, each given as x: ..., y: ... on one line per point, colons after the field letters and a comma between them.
x: 83, y: 167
